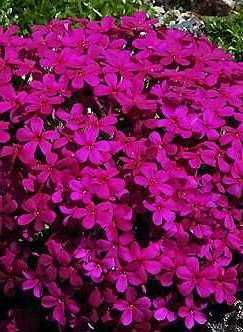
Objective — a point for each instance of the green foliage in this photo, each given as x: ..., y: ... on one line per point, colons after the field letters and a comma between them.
x: 6, y: 13
x: 227, y: 32
x: 28, y: 12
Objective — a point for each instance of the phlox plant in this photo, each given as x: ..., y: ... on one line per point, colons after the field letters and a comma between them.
x: 121, y: 176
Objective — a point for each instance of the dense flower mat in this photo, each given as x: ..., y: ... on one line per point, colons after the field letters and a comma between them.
x: 121, y: 175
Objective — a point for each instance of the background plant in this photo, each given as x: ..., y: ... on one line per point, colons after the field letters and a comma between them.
x: 28, y: 12
x: 227, y: 32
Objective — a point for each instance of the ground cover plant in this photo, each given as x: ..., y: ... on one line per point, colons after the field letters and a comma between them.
x: 227, y: 32
x: 121, y: 177
x: 28, y: 12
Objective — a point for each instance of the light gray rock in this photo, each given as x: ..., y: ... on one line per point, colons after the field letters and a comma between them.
x: 174, y: 18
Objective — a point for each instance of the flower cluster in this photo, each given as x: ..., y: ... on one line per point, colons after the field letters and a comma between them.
x: 121, y: 175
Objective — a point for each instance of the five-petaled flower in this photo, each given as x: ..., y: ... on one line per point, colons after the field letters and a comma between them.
x: 37, y: 211
x: 133, y: 308
x: 35, y: 136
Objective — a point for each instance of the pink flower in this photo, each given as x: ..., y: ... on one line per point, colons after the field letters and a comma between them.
x: 147, y: 258
x: 35, y: 136
x: 133, y: 99
x: 178, y: 121
x: 124, y: 278
x: 133, y: 308
x: 225, y: 285
x: 106, y: 185
x: 213, y: 155
x: 234, y: 182
x: 192, y: 277
x: 60, y: 303
x: 154, y: 179
x: 7, y: 207
x: 81, y: 70
x: 42, y: 104
x: 58, y: 252
x: 162, y: 312
x: 32, y: 282
x: 95, y: 214
x: 162, y: 211
x: 94, y: 271
x: 82, y: 40
x: 112, y: 87
x: 38, y: 212
x: 169, y: 266
x: 121, y: 221
x: 139, y: 21
x: 74, y: 118
x: 192, y: 314
x: 95, y: 152
x: 4, y: 135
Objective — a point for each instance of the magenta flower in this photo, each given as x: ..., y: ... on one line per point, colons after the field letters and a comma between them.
x: 192, y: 314
x: 225, y: 285
x: 95, y: 152
x: 162, y: 312
x: 192, y: 278
x: 121, y: 220
x: 59, y: 304
x: 133, y: 99
x: 5, y: 76
x: 213, y: 155
x: 220, y: 255
x: 133, y: 308
x: 95, y: 214
x: 178, y: 121
x: 35, y: 137
x: 41, y: 104
x: 210, y: 124
x: 234, y: 182
x: 79, y: 190
x: 162, y: 211
x: 175, y: 52
x: 154, y: 179
x: 169, y: 266
x: 78, y: 38
x: 37, y: 212
x: 58, y: 252
x: 70, y: 274
x: 81, y: 70
x: 54, y: 169
x: 94, y: 271
x: 32, y: 282
x: 124, y: 278
x: 14, y: 102
x: 7, y: 207
x: 106, y: 185
x: 119, y: 62
x: 138, y: 22
x: 163, y: 146
x: 112, y: 87
x: 74, y: 119
x: 148, y: 45
x: 4, y: 135
x: 147, y: 258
